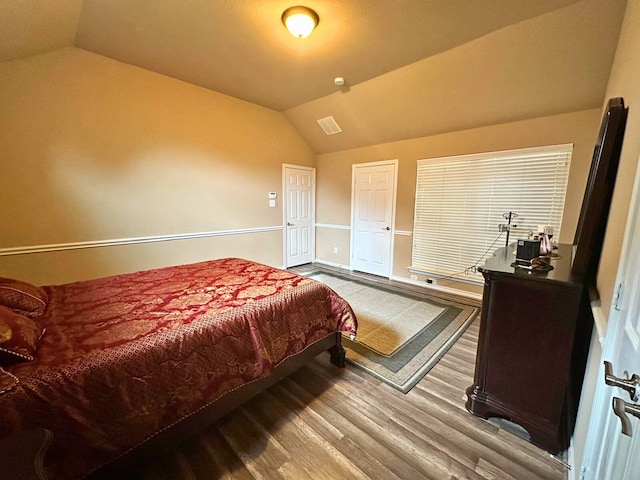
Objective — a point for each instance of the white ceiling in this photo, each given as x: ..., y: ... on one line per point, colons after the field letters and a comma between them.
x: 385, y: 49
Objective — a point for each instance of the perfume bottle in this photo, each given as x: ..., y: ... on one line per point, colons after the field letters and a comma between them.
x: 545, y: 241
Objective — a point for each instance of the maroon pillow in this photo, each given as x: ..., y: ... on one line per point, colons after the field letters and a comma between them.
x: 19, y: 336
x: 22, y: 297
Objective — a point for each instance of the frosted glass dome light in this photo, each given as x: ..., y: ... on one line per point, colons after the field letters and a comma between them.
x: 300, y: 21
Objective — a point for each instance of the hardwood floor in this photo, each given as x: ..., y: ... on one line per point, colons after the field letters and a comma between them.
x: 324, y: 423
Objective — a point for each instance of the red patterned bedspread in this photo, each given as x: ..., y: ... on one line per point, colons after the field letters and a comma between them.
x: 124, y: 357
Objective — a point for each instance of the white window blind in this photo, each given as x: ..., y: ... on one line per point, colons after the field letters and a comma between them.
x: 460, y: 202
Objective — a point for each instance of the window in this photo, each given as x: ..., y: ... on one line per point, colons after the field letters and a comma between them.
x: 460, y: 202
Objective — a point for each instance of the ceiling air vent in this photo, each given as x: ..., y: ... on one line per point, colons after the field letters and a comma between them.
x: 329, y: 125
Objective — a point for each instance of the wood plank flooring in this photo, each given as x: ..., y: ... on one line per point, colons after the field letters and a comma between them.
x: 325, y: 423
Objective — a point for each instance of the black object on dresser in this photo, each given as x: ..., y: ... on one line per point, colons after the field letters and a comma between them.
x: 536, y: 326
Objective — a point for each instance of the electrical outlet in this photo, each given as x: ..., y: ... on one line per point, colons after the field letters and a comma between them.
x: 414, y: 277
x: 431, y: 280
x: 335, y: 249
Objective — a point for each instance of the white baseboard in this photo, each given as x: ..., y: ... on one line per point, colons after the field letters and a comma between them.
x: 435, y: 288
x: 438, y: 288
x: 332, y: 264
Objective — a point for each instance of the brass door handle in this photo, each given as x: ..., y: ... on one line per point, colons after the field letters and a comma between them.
x: 621, y: 408
x: 628, y: 384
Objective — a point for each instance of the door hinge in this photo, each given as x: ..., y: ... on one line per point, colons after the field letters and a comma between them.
x: 618, y: 297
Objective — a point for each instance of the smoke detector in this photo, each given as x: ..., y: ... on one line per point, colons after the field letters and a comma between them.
x: 329, y: 125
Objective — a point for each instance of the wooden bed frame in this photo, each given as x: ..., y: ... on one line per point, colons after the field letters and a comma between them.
x: 245, y: 342
x: 201, y: 419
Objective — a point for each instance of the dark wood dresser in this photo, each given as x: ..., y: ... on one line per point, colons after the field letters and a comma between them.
x: 532, y: 347
x: 536, y: 327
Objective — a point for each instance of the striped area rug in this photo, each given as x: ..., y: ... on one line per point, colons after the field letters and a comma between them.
x: 401, y: 334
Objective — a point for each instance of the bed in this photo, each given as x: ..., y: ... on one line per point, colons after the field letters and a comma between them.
x: 130, y: 362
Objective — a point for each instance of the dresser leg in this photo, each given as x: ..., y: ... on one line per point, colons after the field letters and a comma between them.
x: 477, y: 402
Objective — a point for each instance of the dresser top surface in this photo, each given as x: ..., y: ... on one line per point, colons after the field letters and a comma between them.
x: 503, y: 260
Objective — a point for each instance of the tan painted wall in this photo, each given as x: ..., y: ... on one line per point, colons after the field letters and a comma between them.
x: 328, y: 239
x: 623, y: 82
x: 334, y: 172
x: 94, y: 149
x: 72, y: 265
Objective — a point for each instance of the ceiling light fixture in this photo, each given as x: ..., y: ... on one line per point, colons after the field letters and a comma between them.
x: 300, y: 21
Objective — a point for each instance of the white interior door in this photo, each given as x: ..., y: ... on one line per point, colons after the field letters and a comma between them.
x: 618, y: 455
x: 299, y: 208
x: 373, y: 210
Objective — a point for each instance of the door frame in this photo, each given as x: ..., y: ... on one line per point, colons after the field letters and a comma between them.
x: 354, y: 166
x: 285, y: 206
x: 601, y: 415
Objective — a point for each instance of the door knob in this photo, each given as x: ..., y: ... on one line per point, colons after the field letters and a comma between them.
x: 386, y: 228
x: 628, y: 384
x: 290, y: 224
x: 621, y: 408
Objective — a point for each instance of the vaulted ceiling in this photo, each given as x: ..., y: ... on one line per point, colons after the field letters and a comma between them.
x: 412, y: 67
